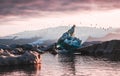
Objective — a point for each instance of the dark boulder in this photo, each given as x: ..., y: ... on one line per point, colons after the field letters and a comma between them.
x: 15, y: 46
x: 18, y: 51
x: 105, y: 48
x: 50, y: 48
x: 29, y: 57
x: 2, y: 46
x: 90, y: 43
x: 27, y: 47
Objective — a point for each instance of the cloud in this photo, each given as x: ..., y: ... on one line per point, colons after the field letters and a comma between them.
x: 35, y: 7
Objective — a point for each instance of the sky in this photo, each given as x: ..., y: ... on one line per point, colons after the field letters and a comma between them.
x: 25, y: 15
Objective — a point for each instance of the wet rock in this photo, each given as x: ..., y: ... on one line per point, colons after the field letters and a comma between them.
x: 15, y: 46
x: 30, y: 57
x: 104, y: 48
x: 85, y: 44
x: 17, y: 51
x: 2, y: 46
x: 5, y: 53
x: 50, y: 48
x: 27, y: 47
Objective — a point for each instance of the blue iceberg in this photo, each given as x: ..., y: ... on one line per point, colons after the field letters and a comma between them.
x: 68, y: 41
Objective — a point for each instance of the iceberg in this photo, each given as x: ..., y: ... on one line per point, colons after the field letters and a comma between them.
x: 68, y: 41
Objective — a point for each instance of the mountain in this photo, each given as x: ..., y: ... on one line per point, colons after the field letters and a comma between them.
x: 52, y: 34
x: 110, y: 36
x: 117, y: 30
x: 17, y: 41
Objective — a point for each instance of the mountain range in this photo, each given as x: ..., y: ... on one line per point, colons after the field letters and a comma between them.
x: 110, y: 36
x: 52, y: 34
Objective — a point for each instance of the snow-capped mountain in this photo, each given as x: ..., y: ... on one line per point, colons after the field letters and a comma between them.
x: 110, y: 36
x: 54, y: 33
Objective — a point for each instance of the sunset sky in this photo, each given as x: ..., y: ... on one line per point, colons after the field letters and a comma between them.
x: 22, y: 15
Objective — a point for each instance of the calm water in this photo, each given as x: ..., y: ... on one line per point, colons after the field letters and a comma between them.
x: 65, y: 65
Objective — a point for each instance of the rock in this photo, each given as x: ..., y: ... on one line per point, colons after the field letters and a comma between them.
x: 17, y: 51
x: 13, y: 46
x: 5, y: 53
x: 51, y: 48
x: 30, y: 57
x: 104, y: 48
x: 85, y: 44
x: 2, y: 46
x: 27, y: 47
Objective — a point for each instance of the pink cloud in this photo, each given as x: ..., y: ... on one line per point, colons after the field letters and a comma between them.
x: 32, y: 7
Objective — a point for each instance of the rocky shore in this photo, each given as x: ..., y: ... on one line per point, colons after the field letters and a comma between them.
x: 109, y: 49
x: 18, y: 56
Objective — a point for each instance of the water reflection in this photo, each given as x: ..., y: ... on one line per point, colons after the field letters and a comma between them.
x: 76, y: 65
x: 67, y: 63
x: 20, y: 70
x: 90, y: 66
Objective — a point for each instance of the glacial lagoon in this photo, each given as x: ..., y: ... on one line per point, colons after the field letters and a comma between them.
x: 65, y: 65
